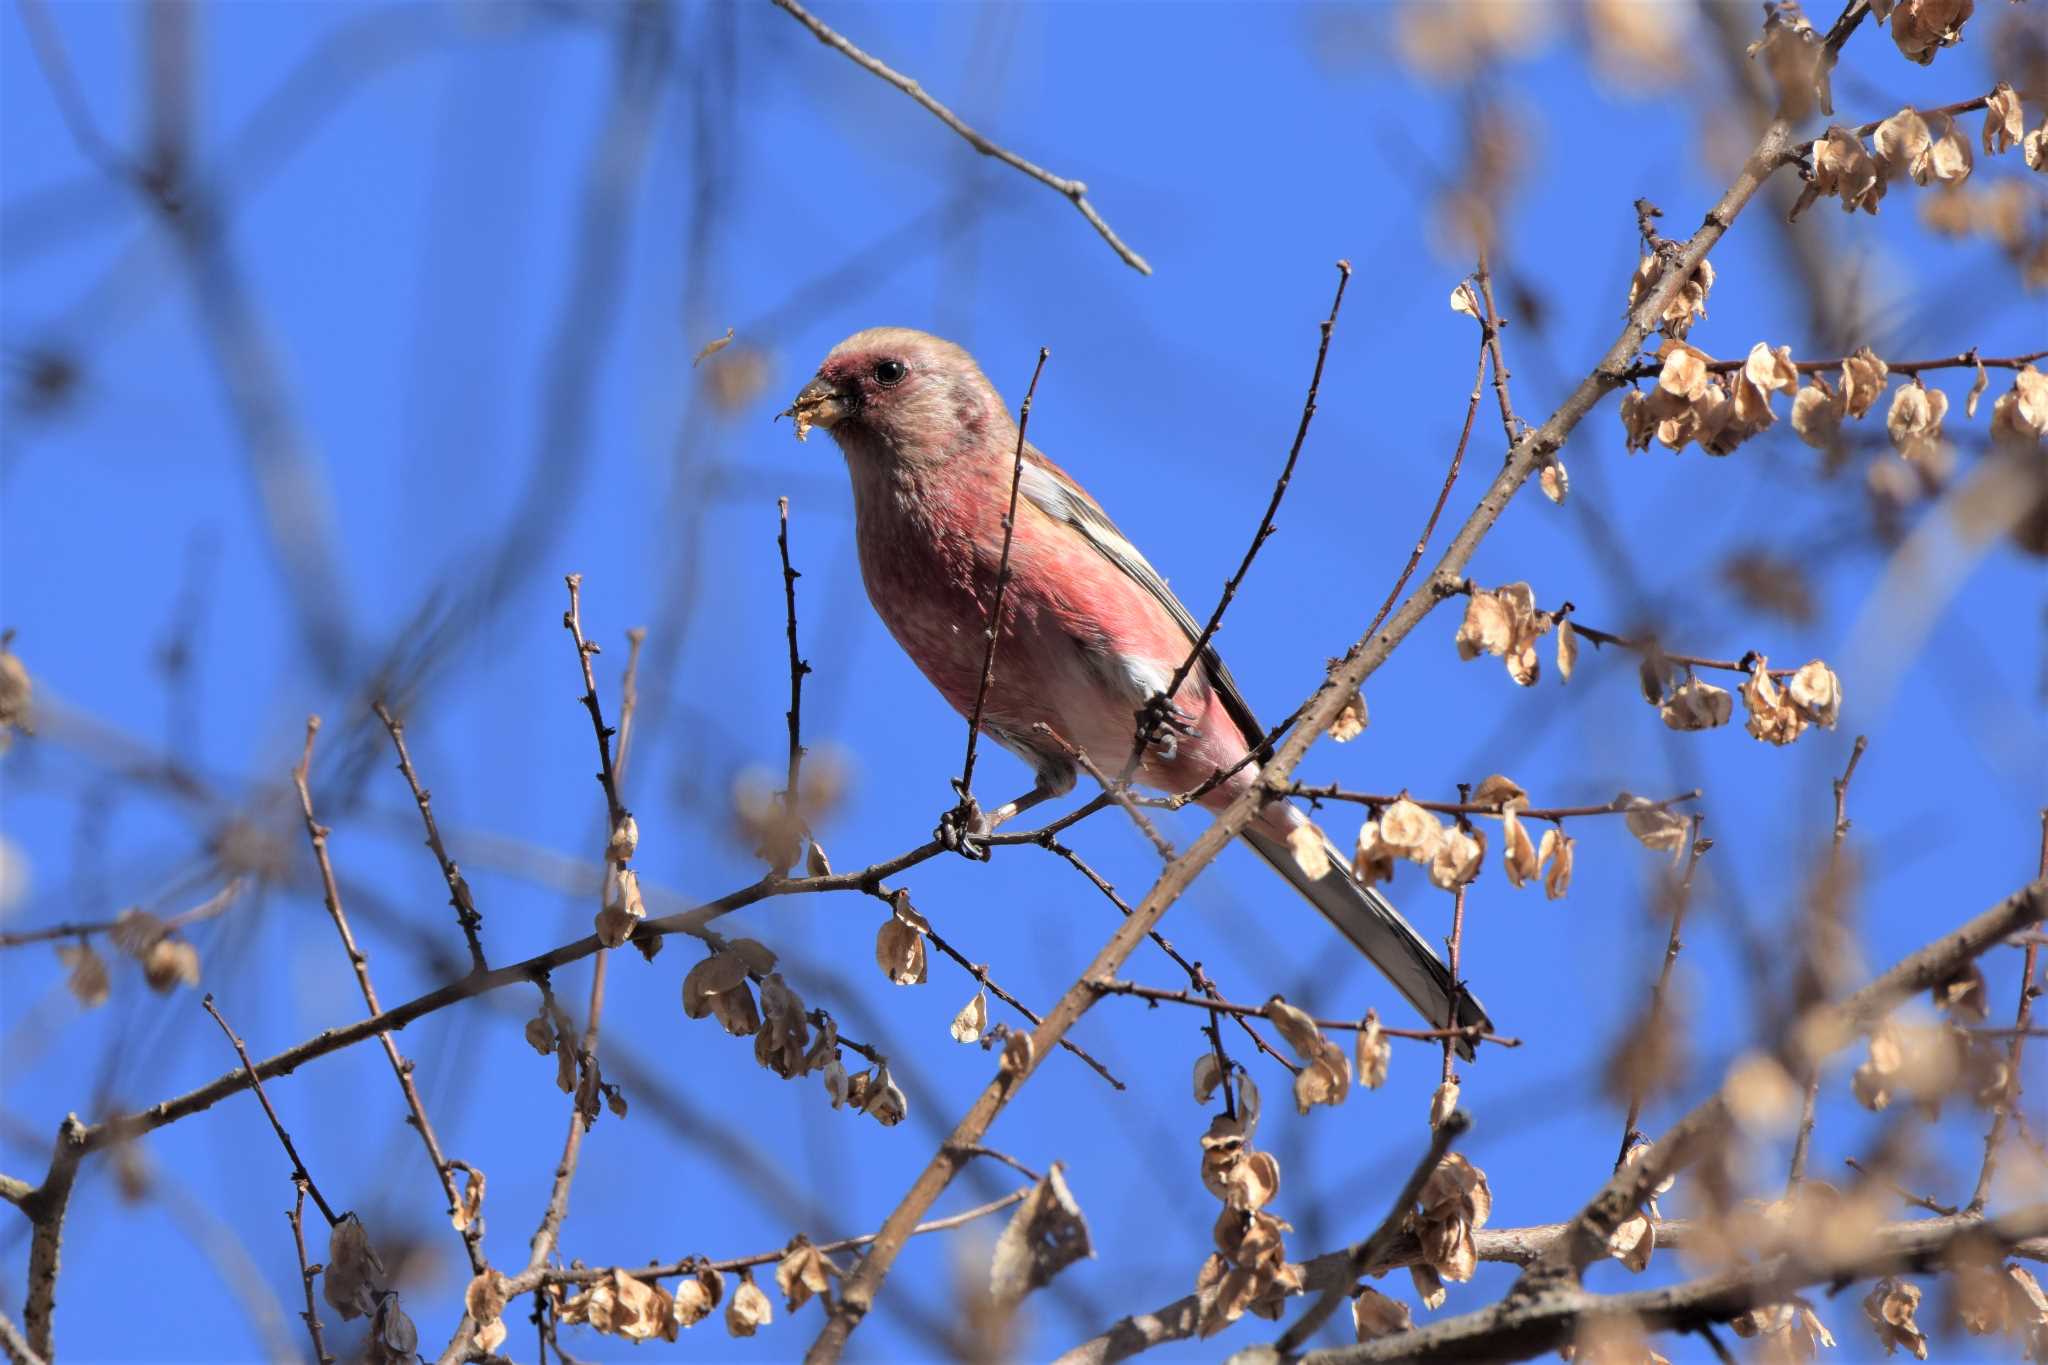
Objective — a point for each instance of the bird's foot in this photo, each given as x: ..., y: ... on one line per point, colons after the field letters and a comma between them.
x: 1162, y: 725
x: 964, y: 830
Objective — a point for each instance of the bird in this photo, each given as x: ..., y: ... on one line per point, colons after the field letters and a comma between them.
x: 1090, y: 637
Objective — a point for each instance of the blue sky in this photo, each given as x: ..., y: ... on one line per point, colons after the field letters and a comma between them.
x: 409, y: 242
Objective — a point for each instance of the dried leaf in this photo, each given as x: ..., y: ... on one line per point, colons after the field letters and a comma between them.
x: 1554, y: 481
x: 1890, y: 1306
x: 354, y: 1275
x: 1502, y: 793
x: 1816, y: 691
x: 711, y: 347
x: 1044, y: 1236
x: 748, y: 1310
x: 1464, y: 301
x: 1459, y: 856
x: 1325, y: 1080
x: 1373, y: 860
x: 1351, y: 721
x: 1410, y: 831
x: 1296, y: 1027
x: 1375, y: 1053
x: 1653, y: 827
x: 899, y: 949
x: 471, y: 1207
x: 801, y: 1273
x: 1443, y: 1104
x: 1311, y: 851
x: 972, y: 1020
x: 89, y: 982
x: 1518, y: 852
x: 1555, y: 852
x: 1374, y: 1315
x: 1208, y: 1075
x: 1567, y: 649
x: 1695, y: 705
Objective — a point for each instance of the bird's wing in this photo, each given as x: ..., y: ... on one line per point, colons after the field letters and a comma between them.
x: 1056, y: 494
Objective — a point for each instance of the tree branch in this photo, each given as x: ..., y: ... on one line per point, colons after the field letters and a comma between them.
x: 1074, y: 190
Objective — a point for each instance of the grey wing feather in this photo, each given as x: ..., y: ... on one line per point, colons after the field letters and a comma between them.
x: 1059, y: 497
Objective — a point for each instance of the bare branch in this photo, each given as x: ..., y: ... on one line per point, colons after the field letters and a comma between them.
x: 1074, y: 190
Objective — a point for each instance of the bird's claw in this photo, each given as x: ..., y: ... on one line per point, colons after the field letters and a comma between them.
x: 964, y: 830
x: 1163, y: 724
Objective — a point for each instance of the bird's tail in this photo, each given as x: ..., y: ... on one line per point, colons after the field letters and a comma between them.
x: 1369, y: 920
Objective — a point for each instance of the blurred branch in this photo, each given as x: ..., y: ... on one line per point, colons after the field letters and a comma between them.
x: 1587, y: 1236
x: 1366, y: 1253
x: 1074, y: 190
x: 1655, y: 1020
x: 19, y: 1352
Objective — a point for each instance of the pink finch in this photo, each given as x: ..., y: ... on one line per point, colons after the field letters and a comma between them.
x: 1090, y: 633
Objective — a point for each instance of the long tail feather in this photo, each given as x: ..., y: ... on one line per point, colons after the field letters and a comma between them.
x: 1369, y: 920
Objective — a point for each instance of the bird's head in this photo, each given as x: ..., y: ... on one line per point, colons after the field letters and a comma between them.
x: 898, y: 394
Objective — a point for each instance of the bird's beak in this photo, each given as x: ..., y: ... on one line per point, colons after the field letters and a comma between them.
x: 820, y: 404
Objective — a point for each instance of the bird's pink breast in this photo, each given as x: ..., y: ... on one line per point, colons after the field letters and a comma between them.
x: 1083, y: 644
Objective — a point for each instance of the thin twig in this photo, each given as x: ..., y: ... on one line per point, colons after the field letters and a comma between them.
x: 691, y: 1264
x: 1266, y: 527
x: 1332, y: 792
x: 1469, y: 1032
x: 316, y: 834
x: 572, y: 621
x: 300, y: 1175
x: 1919, y: 1201
x: 979, y: 971
x: 1654, y: 650
x: 581, y: 1116
x: 1492, y: 324
x: 994, y: 627
x: 1117, y: 789
x: 797, y: 667
x: 466, y: 914
x: 1197, y: 977
x: 1966, y: 360
x: 306, y: 1270
x: 1074, y: 190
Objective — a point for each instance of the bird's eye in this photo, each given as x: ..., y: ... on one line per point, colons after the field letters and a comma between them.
x: 890, y: 373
